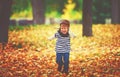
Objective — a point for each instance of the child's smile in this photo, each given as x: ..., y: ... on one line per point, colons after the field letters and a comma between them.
x: 64, y: 29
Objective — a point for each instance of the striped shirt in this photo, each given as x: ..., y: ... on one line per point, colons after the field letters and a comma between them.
x: 62, y: 43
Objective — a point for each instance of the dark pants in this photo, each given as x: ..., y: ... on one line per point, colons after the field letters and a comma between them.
x: 62, y: 59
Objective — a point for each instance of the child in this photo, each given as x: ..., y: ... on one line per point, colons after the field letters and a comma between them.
x: 63, y: 46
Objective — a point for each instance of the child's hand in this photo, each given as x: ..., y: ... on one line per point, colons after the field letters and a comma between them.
x: 50, y: 38
x: 72, y: 35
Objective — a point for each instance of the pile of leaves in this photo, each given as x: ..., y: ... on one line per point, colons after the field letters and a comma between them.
x: 29, y: 53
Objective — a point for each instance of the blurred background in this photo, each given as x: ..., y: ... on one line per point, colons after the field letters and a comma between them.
x: 23, y: 11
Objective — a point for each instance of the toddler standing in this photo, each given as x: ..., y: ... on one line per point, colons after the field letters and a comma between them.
x: 63, y: 46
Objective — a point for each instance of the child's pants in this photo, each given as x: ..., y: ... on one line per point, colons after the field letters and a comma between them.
x: 62, y: 59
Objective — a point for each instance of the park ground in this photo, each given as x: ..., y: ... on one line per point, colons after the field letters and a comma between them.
x: 29, y: 53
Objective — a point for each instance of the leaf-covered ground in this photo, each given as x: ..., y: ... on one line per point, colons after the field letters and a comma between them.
x: 30, y: 54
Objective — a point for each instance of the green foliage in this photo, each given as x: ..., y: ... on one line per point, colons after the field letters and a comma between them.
x: 17, y: 28
x: 21, y: 8
x: 54, y: 8
x: 79, y: 5
x: 22, y: 14
x: 101, y: 10
x: 20, y: 5
x: 53, y: 14
x: 55, y: 5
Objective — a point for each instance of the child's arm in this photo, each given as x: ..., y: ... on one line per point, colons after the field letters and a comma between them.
x: 72, y: 35
x: 52, y: 37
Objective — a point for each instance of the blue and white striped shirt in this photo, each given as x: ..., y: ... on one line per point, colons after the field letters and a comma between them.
x: 62, y: 43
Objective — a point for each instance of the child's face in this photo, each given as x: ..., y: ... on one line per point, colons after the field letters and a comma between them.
x: 64, y: 28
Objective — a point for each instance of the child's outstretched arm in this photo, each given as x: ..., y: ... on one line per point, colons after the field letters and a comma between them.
x: 72, y: 35
x: 51, y: 38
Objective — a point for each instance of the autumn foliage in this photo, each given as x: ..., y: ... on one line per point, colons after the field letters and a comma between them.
x: 30, y: 54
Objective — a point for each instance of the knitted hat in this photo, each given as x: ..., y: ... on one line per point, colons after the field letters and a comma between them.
x: 66, y: 22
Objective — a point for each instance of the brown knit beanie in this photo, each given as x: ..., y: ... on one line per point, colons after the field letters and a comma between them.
x: 66, y: 22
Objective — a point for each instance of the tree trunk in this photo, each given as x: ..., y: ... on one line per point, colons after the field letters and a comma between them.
x: 5, y: 10
x: 38, y: 7
x: 119, y: 10
x: 115, y: 11
x: 87, y: 18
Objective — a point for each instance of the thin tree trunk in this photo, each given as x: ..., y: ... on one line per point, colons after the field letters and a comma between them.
x: 115, y: 11
x: 38, y: 7
x: 87, y: 18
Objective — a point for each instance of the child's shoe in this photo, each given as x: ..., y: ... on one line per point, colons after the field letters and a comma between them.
x: 59, y: 68
x: 66, y: 72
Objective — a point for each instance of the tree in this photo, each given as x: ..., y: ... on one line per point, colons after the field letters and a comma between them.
x: 38, y: 7
x: 115, y: 11
x: 87, y: 18
x: 101, y: 11
x: 5, y: 7
x: 119, y: 11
